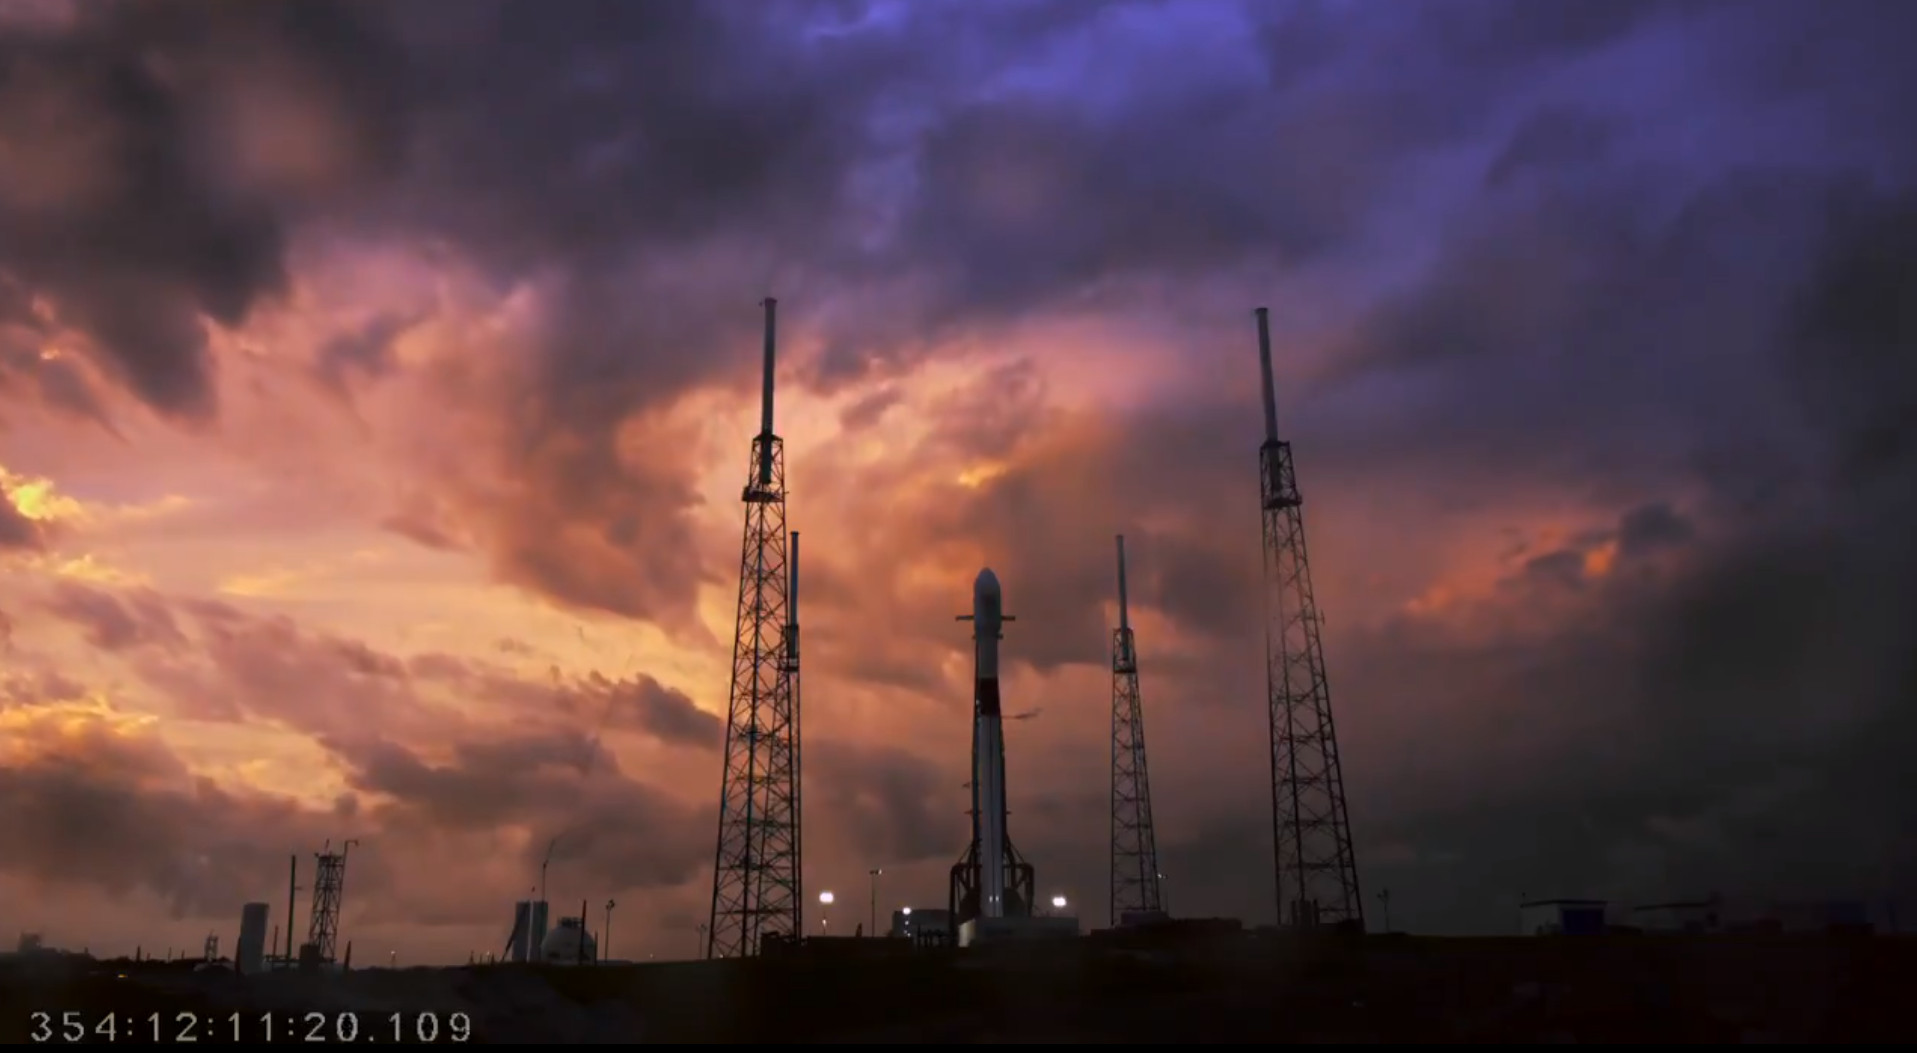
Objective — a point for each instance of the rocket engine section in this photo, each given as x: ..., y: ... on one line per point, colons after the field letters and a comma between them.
x: 991, y: 880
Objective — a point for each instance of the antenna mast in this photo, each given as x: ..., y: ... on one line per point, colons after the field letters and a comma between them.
x: 1135, y: 875
x: 755, y: 879
x: 1317, y: 871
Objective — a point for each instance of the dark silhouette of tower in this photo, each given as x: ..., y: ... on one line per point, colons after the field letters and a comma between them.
x: 1317, y: 872
x: 329, y: 888
x: 1135, y: 876
x: 755, y: 873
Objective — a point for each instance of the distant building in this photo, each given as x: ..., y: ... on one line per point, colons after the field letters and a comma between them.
x: 923, y: 927
x: 569, y: 944
x: 250, y: 955
x: 1562, y: 917
x: 529, y: 930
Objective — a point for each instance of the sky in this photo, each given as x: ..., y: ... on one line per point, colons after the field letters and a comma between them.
x: 377, y: 383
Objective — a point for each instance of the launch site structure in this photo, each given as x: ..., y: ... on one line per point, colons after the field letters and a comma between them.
x: 991, y: 880
x: 329, y: 890
x: 1316, y: 873
x: 1135, y: 891
x: 756, y: 866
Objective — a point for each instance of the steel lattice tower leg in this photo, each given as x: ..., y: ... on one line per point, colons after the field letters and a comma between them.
x: 1135, y: 874
x: 1317, y: 871
x: 755, y: 879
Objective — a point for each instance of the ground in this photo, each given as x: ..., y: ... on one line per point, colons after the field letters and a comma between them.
x: 1229, y: 990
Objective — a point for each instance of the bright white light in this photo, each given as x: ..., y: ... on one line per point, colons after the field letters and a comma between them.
x: 908, y: 912
x: 1058, y: 902
x: 826, y: 898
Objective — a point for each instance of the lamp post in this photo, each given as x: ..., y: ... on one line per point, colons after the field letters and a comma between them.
x: 874, y: 922
x: 825, y: 911
x: 1384, y: 899
x: 605, y: 938
x: 701, y: 951
x: 1058, y: 905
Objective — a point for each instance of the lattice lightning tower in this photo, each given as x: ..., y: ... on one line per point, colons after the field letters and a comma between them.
x: 1135, y: 875
x: 755, y: 878
x: 1317, y: 872
x: 329, y: 888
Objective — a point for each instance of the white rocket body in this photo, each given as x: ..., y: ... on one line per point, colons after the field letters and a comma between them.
x: 988, y: 744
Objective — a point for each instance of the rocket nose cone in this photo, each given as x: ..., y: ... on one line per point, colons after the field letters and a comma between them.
x: 987, y: 583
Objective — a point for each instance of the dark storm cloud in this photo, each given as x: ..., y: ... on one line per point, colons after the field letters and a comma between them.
x: 634, y: 703
x: 27, y: 369
x: 364, y: 353
x: 659, y: 164
x: 1502, y: 34
x: 1029, y: 199
x: 1553, y: 139
x: 1735, y: 713
x: 665, y: 712
x: 1857, y: 325
x: 117, y: 623
x: 1725, y: 359
x: 421, y: 775
x: 1652, y: 527
x: 629, y: 835
x: 105, y: 210
x: 893, y: 804
x: 622, y: 832
x: 121, y: 814
x: 1698, y: 303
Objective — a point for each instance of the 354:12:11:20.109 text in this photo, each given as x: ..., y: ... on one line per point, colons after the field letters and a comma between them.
x: 345, y: 1026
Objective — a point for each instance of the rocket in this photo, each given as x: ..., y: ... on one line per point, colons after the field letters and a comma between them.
x: 988, y: 743
x: 992, y: 880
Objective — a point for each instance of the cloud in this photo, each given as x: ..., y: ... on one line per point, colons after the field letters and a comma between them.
x: 629, y: 703
x: 466, y: 780
x: 795, y: 165
x: 1724, y: 711
x: 1592, y: 336
x: 150, y: 824
x: 116, y: 623
x: 896, y: 807
x: 16, y: 530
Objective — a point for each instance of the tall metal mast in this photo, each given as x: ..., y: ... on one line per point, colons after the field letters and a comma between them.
x: 329, y: 890
x: 755, y: 874
x: 1317, y: 871
x: 1135, y: 875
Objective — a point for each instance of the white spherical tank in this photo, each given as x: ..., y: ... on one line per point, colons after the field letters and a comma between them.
x: 569, y: 944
